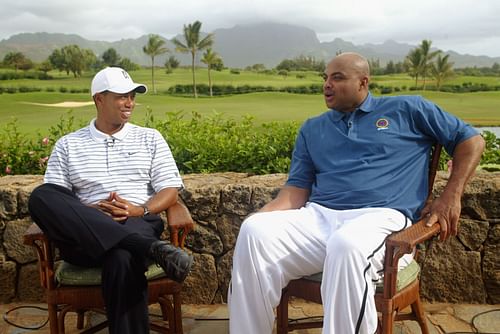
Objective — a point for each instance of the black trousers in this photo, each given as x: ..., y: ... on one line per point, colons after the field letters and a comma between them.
x: 87, y: 237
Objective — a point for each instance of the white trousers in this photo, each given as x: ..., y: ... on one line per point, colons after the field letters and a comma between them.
x: 275, y: 247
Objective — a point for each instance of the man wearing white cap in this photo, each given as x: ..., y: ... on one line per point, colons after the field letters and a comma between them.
x: 102, y: 191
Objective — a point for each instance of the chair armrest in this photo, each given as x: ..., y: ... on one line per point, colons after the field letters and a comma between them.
x: 32, y: 234
x: 400, y: 243
x: 179, y: 222
x: 407, y: 239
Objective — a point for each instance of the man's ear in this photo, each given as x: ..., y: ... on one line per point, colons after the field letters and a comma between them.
x: 363, y: 83
x: 98, y: 98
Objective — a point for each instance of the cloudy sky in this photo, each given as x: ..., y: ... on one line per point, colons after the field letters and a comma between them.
x: 465, y: 26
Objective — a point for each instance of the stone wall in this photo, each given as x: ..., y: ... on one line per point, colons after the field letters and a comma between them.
x: 464, y: 269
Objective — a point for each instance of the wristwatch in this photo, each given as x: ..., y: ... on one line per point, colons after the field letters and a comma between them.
x: 146, y: 210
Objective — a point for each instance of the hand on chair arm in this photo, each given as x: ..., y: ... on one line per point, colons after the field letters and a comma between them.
x: 446, y: 208
x: 180, y: 223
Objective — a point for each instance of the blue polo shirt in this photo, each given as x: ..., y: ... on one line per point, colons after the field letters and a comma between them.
x: 375, y: 156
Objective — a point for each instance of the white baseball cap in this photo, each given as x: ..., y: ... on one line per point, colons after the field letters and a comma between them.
x: 116, y: 80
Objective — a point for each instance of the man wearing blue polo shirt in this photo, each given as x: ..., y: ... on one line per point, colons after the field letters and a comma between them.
x: 358, y: 173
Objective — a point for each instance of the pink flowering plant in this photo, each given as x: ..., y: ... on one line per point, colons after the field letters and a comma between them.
x: 23, y: 154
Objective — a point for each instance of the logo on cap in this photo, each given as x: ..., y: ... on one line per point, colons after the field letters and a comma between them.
x: 125, y: 74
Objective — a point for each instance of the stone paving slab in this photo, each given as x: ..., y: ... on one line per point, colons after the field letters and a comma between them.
x: 213, y: 319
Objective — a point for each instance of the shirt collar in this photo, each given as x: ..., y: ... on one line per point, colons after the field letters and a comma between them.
x: 101, y: 136
x: 366, y: 106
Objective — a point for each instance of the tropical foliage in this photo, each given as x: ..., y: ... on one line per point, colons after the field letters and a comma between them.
x: 193, y: 43
x: 210, y: 58
x: 155, y: 47
x: 442, y: 69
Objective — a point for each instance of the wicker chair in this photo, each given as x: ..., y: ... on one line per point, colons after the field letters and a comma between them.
x: 399, y: 289
x: 71, y: 288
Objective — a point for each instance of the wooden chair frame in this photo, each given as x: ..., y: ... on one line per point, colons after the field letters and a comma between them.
x: 64, y: 298
x: 389, y: 302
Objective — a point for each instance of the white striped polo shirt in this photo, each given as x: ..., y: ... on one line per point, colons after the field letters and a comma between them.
x: 136, y: 162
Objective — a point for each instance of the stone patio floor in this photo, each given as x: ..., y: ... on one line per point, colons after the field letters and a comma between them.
x: 212, y: 319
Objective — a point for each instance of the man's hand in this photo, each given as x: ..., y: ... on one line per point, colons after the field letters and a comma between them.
x: 119, y: 208
x: 444, y: 210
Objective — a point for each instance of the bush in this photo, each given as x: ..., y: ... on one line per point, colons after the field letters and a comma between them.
x: 216, y: 144
x: 199, y: 145
x: 244, y: 89
x: 386, y: 90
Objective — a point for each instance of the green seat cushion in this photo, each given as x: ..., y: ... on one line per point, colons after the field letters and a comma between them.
x: 69, y: 274
x: 405, y: 277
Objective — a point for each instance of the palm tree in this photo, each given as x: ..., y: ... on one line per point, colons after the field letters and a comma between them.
x: 414, y: 61
x: 210, y: 58
x: 442, y: 70
x: 193, y: 44
x: 427, y: 57
x: 154, y: 48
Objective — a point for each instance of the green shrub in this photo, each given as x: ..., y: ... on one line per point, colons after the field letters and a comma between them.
x: 386, y: 90
x: 199, y: 145
x: 218, y: 144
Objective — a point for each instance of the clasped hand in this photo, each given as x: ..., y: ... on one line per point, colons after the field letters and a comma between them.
x: 119, y: 208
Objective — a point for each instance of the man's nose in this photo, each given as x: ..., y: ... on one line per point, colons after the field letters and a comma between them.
x: 130, y: 100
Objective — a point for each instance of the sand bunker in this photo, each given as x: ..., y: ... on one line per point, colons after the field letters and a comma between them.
x: 67, y: 104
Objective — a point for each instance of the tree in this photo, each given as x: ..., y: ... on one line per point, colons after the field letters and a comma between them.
x: 218, y: 65
x: 110, y: 57
x: 57, y: 60
x: 414, y: 62
x: 15, y: 59
x: 72, y: 59
x: 210, y: 58
x: 427, y: 57
x: 171, y: 63
x: 193, y: 44
x: 390, y: 68
x: 442, y: 70
x: 154, y: 48
x: 128, y: 65
x: 45, y: 66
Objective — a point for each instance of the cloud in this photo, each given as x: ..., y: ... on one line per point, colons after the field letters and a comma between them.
x: 466, y: 25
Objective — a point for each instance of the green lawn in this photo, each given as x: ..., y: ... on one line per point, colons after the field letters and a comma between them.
x: 480, y: 109
x: 181, y: 76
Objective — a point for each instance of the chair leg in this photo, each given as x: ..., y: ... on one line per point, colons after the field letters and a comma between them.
x: 52, y: 308
x: 177, y: 313
x: 387, y: 323
x: 80, y: 319
x: 418, y: 310
x: 172, y: 312
x: 60, y: 319
x: 282, y: 314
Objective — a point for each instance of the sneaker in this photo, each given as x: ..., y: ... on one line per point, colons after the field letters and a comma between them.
x: 175, y: 262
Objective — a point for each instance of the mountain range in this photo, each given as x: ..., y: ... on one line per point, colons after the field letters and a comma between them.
x: 239, y: 46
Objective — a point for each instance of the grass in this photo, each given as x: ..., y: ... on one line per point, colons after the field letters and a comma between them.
x: 480, y: 109
x: 181, y: 76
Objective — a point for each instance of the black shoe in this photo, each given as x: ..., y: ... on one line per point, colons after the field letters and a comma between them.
x: 175, y: 262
